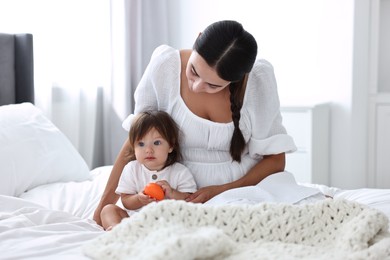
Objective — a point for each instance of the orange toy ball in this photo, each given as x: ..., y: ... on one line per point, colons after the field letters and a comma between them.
x: 154, y: 190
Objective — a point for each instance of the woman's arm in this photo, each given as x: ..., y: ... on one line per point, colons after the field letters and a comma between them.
x: 178, y: 195
x: 109, y: 196
x: 268, y: 165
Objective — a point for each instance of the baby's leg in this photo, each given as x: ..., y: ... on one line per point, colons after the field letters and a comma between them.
x: 112, y: 215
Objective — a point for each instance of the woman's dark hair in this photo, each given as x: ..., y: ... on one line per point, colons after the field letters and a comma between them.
x: 164, y: 124
x: 231, y: 51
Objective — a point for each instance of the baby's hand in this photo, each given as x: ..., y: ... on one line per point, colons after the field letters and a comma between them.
x: 154, y: 191
x: 166, y: 188
x: 144, y: 199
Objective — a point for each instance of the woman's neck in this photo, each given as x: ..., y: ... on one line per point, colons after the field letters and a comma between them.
x: 214, y: 107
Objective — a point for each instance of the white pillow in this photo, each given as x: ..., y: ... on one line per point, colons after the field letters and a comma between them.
x: 34, y: 152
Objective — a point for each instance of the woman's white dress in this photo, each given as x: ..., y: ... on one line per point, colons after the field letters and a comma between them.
x: 205, y: 144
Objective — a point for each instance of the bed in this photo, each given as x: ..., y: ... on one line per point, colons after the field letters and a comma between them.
x: 48, y: 196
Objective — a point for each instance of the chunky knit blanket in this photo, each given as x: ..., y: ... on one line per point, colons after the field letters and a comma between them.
x: 329, y: 229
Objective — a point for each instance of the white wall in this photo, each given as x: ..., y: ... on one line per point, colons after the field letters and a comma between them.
x: 299, y: 37
x: 318, y: 56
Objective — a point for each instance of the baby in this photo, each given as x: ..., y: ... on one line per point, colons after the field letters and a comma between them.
x: 155, y: 152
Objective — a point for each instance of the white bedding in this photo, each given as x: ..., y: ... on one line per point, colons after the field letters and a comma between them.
x: 29, y: 231
x: 327, y: 229
x: 46, y: 206
x: 53, y: 221
x: 77, y: 198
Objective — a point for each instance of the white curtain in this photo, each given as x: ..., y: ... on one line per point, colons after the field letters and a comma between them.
x: 71, y: 41
x: 89, y: 56
x: 72, y: 68
x: 93, y: 118
x: 137, y: 28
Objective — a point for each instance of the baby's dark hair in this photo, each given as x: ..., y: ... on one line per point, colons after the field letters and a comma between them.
x: 231, y: 51
x: 164, y: 124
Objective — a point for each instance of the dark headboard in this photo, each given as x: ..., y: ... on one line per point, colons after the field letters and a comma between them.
x: 16, y: 68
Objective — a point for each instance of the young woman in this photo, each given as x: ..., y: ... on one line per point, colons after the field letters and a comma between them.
x: 226, y: 104
x: 155, y: 149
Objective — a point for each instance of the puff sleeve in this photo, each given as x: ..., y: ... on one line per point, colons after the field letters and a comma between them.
x: 262, y: 121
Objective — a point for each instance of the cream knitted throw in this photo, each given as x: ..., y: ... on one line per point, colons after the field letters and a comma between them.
x: 329, y: 229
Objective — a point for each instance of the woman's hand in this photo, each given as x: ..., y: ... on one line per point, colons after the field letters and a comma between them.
x: 96, y: 215
x: 204, y: 194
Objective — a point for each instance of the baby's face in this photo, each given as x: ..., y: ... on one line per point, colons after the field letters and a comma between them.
x: 152, y: 150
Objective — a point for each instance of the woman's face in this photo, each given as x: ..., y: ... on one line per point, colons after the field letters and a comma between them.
x: 201, y: 77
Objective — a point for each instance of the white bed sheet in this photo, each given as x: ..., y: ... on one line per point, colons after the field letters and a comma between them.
x: 29, y: 231
x: 77, y: 198
x: 53, y: 221
x: 375, y: 198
